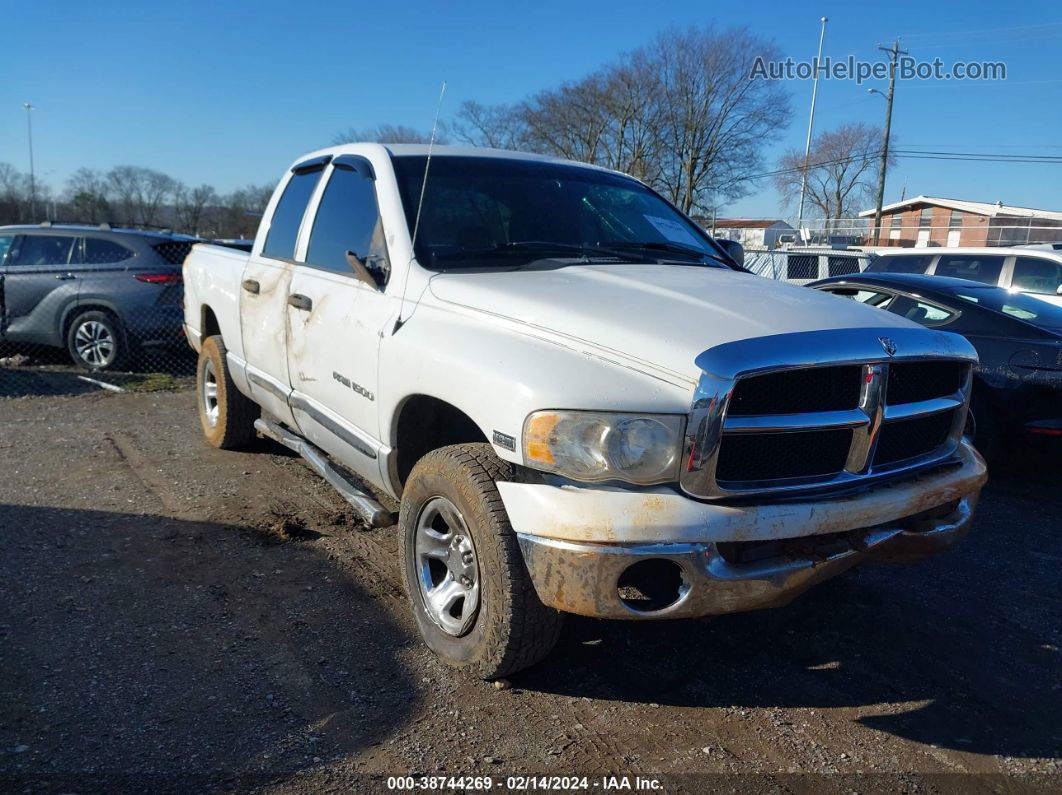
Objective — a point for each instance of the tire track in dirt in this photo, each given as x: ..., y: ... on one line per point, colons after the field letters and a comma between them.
x: 146, y: 472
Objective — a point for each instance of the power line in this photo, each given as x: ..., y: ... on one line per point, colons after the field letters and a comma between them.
x: 1000, y: 156
x: 995, y: 32
x: 911, y: 155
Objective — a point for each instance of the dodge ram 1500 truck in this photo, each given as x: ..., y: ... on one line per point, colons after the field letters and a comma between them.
x: 580, y: 401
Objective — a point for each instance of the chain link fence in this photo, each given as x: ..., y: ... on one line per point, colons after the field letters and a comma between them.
x: 805, y: 264
x: 90, y: 307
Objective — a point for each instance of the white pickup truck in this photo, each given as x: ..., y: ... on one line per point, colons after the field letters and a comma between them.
x: 581, y: 401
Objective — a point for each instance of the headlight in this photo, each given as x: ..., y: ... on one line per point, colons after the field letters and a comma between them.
x: 593, y: 445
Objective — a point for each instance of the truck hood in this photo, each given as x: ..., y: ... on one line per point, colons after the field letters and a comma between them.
x: 661, y: 316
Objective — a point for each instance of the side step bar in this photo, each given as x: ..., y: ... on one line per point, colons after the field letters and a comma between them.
x: 367, y: 508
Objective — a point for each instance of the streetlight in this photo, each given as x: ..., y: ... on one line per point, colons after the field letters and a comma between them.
x: 811, y: 124
x: 33, y: 182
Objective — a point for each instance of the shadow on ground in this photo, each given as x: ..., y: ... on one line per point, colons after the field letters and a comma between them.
x: 142, y: 649
x: 963, y: 648
x: 31, y: 370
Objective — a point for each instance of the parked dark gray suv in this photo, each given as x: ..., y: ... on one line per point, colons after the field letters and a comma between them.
x: 97, y: 291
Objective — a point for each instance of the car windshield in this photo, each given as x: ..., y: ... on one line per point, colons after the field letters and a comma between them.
x: 486, y: 212
x: 1016, y: 305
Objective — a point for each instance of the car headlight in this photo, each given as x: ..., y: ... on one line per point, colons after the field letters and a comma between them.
x: 597, y: 445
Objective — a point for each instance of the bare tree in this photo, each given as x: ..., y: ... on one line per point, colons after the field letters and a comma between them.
x: 495, y: 126
x: 683, y: 114
x: 86, y: 192
x: 190, y: 205
x: 841, y: 172
x: 715, y: 119
x: 384, y: 134
x: 241, y: 210
x: 139, y: 192
x: 14, y: 195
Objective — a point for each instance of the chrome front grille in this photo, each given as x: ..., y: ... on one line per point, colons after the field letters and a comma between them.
x: 823, y: 409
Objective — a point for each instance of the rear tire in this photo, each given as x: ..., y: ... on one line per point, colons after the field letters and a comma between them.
x: 97, y: 341
x: 225, y: 414
x: 456, y: 539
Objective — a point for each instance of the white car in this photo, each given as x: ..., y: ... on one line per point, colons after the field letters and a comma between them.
x: 580, y: 401
x: 1024, y: 269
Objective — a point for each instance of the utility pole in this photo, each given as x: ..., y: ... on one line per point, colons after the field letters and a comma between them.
x: 811, y: 124
x: 894, y: 53
x: 33, y: 181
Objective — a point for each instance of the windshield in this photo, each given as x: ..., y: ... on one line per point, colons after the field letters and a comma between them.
x: 485, y: 212
x: 1016, y: 305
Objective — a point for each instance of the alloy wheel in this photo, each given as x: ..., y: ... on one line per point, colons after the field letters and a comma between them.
x: 95, y: 343
x: 208, y: 388
x: 447, y: 569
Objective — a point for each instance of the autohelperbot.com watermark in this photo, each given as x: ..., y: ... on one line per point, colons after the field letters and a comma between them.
x: 850, y: 68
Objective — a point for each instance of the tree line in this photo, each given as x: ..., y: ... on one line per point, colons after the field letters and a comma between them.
x: 682, y: 113
x: 133, y: 196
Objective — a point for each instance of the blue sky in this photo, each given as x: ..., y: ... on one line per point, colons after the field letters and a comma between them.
x: 228, y: 93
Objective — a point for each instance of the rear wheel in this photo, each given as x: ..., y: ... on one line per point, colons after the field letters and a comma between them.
x: 226, y: 415
x: 97, y: 341
x: 473, y: 600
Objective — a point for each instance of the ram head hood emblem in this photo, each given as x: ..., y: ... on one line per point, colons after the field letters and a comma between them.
x: 888, y: 345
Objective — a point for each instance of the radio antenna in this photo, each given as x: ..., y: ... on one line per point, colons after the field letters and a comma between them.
x: 427, y: 163
x: 420, y: 204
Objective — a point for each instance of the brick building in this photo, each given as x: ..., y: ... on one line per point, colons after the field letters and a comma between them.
x: 929, y: 221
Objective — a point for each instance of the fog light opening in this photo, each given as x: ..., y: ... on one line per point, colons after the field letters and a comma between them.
x: 651, y: 585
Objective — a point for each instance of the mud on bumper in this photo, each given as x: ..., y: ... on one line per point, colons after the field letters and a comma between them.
x: 686, y: 580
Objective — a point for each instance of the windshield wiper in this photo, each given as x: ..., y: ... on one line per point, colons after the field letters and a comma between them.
x: 537, y: 246
x: 671, y: 248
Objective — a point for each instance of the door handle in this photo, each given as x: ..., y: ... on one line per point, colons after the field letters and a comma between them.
x: 65, y: 277
x: 300, y: 302
x: 251, y: 286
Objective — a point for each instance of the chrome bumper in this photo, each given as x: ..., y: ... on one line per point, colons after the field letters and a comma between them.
x: 585, y: 578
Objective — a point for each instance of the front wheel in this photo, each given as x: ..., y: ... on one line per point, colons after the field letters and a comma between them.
x: 473, y: 600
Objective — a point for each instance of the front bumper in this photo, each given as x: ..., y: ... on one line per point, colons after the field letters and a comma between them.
x: 709, y: 578
x: 578, y: 542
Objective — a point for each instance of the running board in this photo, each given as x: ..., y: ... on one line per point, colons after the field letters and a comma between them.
x: 367, y: 508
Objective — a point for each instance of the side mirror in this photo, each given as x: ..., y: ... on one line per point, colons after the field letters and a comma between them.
x: 734, y: 250
x: 361, y: 270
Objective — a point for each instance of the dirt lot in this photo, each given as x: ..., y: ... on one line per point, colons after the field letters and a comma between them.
x: 177, y: 617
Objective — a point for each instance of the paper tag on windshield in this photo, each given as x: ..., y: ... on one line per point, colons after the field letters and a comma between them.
x: 674, y: 231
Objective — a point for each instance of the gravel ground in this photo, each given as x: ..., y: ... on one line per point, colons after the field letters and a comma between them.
x: 174, y: 617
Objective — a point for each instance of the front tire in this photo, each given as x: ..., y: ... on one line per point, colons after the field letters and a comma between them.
x: 473, y: 600
x: 225, y: 414
x: 97, y: 341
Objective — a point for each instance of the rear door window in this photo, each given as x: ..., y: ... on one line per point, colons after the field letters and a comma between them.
x: 974, y: 267
x: 5, y: 246
x: 41, y: 250
x: 900, y: 264
x: 287, y: 217
x: 880, y: 300
x: 922, y: 312
x: 1036, y: 275
x: 98, y: 251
